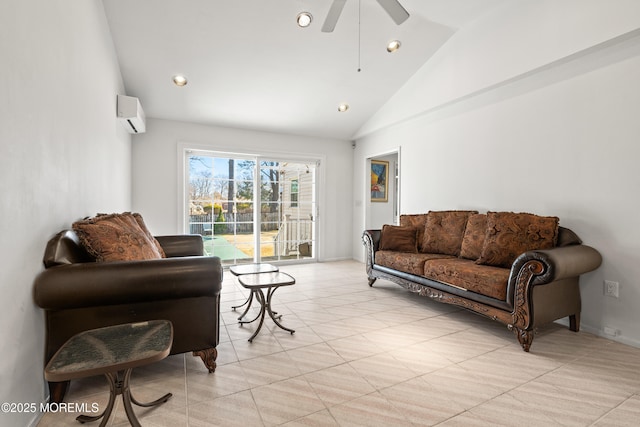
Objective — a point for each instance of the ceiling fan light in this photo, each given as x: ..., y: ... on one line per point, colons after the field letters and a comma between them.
x: 304, y: 19
x: 343, y: 107
x: 393, y: 45
x: 179, y: 80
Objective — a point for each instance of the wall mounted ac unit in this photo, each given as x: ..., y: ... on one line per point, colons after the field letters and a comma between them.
x: 130, y: 114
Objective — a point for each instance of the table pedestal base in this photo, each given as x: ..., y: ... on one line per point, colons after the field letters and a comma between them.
x: 119, y: 384
x: 265, y: 307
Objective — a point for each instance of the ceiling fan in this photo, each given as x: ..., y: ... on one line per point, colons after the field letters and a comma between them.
x: 392, y: 7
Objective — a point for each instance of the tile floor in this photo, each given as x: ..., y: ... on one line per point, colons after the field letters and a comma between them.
x: 380, y: 356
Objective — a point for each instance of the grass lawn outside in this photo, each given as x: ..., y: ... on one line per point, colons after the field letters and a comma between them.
x: 231, y: 247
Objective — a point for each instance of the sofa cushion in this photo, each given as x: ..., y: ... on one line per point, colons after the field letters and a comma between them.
x: 511, y: 234
x: 444, y: 232
x: 466, y: 274
x: 417, y: 221
x: 473, y: 239
x: 115, y: 237
x: 406, y: 262
x: 401, y: 239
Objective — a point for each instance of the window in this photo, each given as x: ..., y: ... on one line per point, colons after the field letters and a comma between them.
x: 294, y: 193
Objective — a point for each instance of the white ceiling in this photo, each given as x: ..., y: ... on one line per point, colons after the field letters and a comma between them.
x: 250, y: 66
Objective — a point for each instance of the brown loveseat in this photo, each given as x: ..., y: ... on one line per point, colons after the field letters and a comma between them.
x: 519, y: 269
x: 78, y: 293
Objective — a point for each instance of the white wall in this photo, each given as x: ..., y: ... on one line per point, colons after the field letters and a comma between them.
x: 64, y: 156
x: 539, y: 113
x: 155, y: 174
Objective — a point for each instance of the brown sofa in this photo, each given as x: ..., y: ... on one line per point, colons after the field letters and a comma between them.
x: 78, y: 293
x: 516, y: 268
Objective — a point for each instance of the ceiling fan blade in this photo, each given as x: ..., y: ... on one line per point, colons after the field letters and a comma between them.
x: 395, y: 10
x: 333, y: 15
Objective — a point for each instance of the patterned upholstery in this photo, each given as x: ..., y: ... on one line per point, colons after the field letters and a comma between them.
x: 116, y: 237
x: 487, y: 245
x: 482, y: 279
x: 473, y: 239
x: 511, y: 234
x: 444, y: 232
x: 147, y: 233
x: 417, y: 221
x: 406, y: 262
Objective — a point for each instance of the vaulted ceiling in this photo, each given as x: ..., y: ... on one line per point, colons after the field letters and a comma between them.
x: 249, y: 64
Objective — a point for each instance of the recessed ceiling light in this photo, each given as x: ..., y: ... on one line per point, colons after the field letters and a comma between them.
x: 343, y: 107
x: 393, y: 45
x: 304, y: 19
x: 179, y: 80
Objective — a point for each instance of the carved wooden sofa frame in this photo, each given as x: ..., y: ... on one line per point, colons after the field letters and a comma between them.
x: 543, y: 287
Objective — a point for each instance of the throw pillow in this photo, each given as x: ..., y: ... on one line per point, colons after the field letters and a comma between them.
x: 473, y: 239
x: 400, y: 239
x: 115, y: 237
x: 146, y: 231
x: 511, y: 234
x: 444, y: 232
x: 417, y: 221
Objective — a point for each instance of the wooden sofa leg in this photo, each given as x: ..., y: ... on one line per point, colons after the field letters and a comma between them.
x: 372, y: 280
x: 525, y: 338
x: 208, y: 356
x: 574, y: 322
x: 57, y: 391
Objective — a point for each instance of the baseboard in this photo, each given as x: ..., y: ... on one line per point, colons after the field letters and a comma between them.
x: 36, y: 419
x: 600, y: 333
x: 335, y: 259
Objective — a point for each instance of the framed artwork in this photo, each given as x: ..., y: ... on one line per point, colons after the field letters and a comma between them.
x: 379, y: 179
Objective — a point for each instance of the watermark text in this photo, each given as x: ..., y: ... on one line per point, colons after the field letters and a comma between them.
x: 69, y: 407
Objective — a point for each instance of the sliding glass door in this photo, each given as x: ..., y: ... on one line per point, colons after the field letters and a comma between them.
x: 252, y: 208
x: 288, y: 207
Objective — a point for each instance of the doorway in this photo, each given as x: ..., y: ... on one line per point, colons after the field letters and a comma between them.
x: 251, y: 208
x: 383, y: 196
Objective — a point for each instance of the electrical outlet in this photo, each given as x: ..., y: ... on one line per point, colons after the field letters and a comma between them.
x: 611, y: 288
x: 611, y: 331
